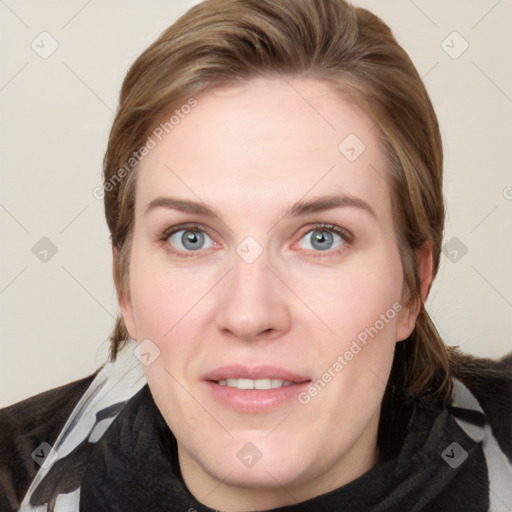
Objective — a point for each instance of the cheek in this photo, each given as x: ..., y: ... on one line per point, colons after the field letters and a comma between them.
x: 353, y: 299
x: 152, y: 308
x: 167, y: 310
x: 159, y: 298
x: 361, y: 308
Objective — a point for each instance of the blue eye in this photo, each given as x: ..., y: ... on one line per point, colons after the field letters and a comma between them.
x: 326, y: 238
x: 189, y: 240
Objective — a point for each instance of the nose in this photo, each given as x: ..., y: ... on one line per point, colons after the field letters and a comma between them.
x: 252, y: 302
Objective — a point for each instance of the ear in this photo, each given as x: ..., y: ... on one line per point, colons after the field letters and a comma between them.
x: 123, y: 298
x: 409, y: 314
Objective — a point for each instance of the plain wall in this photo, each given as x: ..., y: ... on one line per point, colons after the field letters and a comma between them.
x: 56, y: 114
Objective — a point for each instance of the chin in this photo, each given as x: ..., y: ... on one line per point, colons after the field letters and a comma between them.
x: 251, y: 461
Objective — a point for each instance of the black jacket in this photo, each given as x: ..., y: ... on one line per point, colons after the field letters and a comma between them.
x: 446, y: 459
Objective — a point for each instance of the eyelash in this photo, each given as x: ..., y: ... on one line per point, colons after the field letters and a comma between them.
x: 342, y: 232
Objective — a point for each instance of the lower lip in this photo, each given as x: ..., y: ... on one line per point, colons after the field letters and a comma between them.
x: 255, y: 400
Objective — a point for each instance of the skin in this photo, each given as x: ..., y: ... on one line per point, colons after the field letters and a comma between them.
x: 250, y: 152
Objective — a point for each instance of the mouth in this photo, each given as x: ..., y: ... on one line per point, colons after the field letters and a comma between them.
x: 254, y: 389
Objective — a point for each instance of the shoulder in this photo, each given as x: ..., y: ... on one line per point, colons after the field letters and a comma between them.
x: 23, y: 427
x: 490, y: 382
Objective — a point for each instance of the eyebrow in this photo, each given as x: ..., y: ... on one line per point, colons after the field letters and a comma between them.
x: 298, y: 209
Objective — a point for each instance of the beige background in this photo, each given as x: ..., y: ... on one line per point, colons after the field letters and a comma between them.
x: 56, y: 115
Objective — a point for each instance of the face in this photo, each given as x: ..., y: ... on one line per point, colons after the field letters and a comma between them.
x: 264, y: 254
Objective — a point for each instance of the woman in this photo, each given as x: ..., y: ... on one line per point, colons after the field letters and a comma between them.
x: 273, y: 189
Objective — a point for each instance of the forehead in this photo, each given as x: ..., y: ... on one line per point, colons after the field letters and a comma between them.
x: 269, y: 141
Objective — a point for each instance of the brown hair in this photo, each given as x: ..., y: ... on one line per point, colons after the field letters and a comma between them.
x: 223, y: 42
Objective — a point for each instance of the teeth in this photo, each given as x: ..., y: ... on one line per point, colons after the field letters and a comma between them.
x: 254, y: 383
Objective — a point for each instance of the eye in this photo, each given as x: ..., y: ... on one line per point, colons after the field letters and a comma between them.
x: 191, y: 239
x: 326, y: 238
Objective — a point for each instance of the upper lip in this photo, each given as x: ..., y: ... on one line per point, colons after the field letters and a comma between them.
x: 237, y: 371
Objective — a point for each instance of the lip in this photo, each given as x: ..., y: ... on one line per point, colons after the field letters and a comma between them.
x: 254, y: 400
x: 237, y: 371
